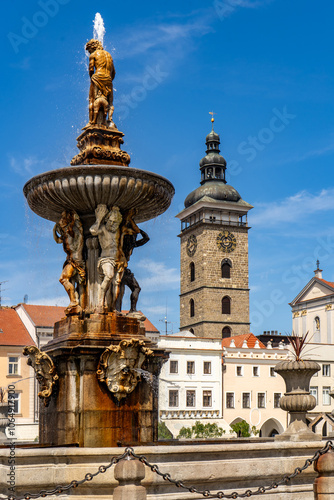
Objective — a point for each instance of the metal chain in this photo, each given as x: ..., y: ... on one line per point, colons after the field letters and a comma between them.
x: 248, y: 493
x: 129, y: 452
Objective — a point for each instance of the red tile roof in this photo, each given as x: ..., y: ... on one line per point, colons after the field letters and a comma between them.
x: 329, y: 283
x: 239, y: 340
x: 12, y: 330
x: 44, y: 315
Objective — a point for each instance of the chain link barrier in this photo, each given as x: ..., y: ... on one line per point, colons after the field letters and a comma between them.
x: 129, y: 452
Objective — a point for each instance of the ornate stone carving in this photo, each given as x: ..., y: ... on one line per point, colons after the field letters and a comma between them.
x: 328, y: 307
x: 129, y: 233
x: 112, y: 261
x: 295, y: 314
x: 101, y: 145
x: 45, y: 371
x: 304, y: 312
x: 119, y: 366
x: 69, y: 232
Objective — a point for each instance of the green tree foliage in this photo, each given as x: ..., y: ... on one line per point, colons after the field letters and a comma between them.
x: 243, y: 429
x: 163, y: 432
x: 200, y: 430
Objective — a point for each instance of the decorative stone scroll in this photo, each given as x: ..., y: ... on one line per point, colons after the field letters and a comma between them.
x: 119, y: 366
x: 45, y: 371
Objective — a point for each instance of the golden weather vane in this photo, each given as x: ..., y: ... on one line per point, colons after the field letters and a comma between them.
x: 212, y: 118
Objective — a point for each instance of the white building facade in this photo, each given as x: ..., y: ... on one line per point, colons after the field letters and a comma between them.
x: 190, y: 383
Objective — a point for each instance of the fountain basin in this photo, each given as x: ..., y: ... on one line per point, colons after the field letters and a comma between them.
x: 82, y: 188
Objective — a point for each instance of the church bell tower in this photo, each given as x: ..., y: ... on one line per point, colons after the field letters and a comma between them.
x: 214, y: 299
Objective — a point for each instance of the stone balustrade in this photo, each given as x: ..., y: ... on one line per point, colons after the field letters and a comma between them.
x: 166, y: 414
x: 236, y: 465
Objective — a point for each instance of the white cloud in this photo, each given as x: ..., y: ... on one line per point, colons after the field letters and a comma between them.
x: 293, y: 208
x: 156, y: 276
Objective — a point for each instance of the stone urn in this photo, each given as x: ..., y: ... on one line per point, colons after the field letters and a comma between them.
x: 297, y: 399
x: 3, y: 421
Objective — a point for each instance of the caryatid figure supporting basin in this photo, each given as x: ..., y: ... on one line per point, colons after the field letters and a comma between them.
x: 99, y: 398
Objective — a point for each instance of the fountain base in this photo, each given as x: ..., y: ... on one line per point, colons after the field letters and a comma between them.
x: 92, y: 411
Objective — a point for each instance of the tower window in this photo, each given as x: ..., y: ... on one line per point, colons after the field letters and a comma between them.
x: 226, y: 305
x: 226, y: 268
x: 218, y: 173
x: 192, y: 271
x: 192, y: 308
x: 226, y: 332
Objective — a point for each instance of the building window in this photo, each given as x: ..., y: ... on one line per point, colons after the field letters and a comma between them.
x: 13, y: 365
x: 256, y: 371
x: 192, y: 308
x: 314, y: 392
x: 191, y: 330
x: 226, y: 332
x: 207, y: 367
x: 317, y: 323
x: 191, y: 398
x: 272, y: 371
x: 246, y: 399
x: 226, y: 305
x: 173, y: 366
x: 277, y: 397
x: 326, y: 399
x: 230, y: 400
x: 14, y: 402
x: 192, y: 271
x: 173, y: 398
x: 190, y: 367
x: 239, y: 371
x: 326, y: 370
x: 261, y: 400
x: 207, y: 398
x: 226, y: 268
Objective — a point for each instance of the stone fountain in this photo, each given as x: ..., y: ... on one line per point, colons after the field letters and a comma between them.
x: 92, y: 392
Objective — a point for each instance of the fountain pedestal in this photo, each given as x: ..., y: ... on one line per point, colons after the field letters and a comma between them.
x: 82, y: 409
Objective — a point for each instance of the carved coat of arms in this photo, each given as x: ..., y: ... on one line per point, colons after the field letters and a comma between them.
x: 119, y: 366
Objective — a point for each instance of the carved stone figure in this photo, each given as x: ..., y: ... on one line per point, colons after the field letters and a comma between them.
x: 119, y: 366
x: 69, y: 232
x: 130, y: 231
x: 112, y: 261
x: 45, y: 371
x: 102, y: 73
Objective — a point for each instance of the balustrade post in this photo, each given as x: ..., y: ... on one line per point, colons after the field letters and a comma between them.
x: 129, y: 474
x: 324, y: 484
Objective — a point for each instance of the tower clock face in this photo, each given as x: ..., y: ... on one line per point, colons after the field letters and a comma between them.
x: 191, y: 245
x: 226, y: 241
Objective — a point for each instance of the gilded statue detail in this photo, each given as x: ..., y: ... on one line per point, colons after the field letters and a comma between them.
x: 45, y: 371
x: 69, y: 232
x: 119, y: 366
x: 102, y: 73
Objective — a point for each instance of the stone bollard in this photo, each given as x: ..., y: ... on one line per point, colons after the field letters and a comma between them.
x: 129, y: 474
x: 324, y: 484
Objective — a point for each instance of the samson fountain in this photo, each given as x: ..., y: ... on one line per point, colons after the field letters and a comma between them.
x: 91, y: 387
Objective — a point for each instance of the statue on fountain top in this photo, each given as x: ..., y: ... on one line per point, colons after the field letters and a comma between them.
x: 101, y: 72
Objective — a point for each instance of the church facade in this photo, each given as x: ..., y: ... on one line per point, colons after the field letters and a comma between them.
x: 214, y: 298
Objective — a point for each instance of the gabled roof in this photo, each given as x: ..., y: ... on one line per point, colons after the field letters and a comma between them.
x: 327, y: 286
x: 12, y: 330
x: 45, y: 316
x: 239, y: 340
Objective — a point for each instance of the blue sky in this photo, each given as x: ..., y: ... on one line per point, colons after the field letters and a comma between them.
x: 249, y: 61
